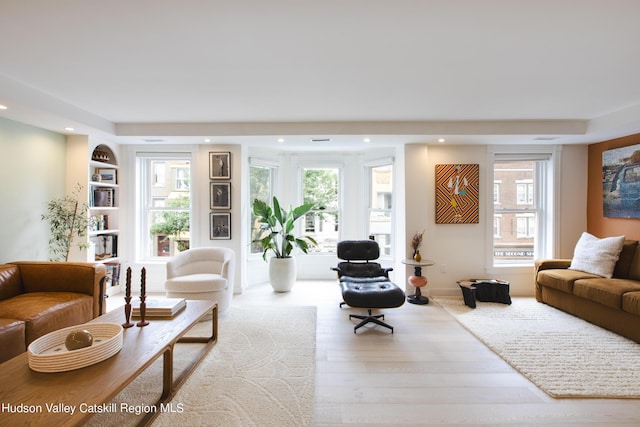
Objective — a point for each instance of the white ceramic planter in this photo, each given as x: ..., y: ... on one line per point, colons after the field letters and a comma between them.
x: 282, y: 273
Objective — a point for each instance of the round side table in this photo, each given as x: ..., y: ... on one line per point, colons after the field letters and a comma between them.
x: 418, y: 280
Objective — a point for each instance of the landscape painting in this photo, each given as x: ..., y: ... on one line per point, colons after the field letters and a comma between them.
x: 621, y: 182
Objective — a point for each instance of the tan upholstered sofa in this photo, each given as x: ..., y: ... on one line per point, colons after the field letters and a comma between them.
x: 40, y: 297
x: 612, y: 303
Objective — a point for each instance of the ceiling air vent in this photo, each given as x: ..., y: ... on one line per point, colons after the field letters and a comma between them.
x: 545, y: 138
x: 320, y: 139
x: 153, y: 140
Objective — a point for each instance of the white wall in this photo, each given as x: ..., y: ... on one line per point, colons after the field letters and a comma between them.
x: 573, y: 200
x: 32, y: 172
x: 353, y: 221
x: 458, y: 250
x: 200, y: 233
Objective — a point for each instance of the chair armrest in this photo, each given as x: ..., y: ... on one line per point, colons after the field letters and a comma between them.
x: 80, y: 277
x: 548, y: 264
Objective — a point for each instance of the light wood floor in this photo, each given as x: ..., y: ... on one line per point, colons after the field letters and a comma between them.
x: 429, y: 372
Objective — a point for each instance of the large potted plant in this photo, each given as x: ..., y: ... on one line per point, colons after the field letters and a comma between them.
x: 277, y: 237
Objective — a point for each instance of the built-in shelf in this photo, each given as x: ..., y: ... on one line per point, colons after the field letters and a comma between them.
x: 104, y: 190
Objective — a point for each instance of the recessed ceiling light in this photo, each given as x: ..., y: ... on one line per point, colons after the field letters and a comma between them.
x: 3, y: 107
x: 280, y: 140
x: 207, y: 140
x: 69, y: 128
x: 441, y: 140
x: 367, y: 140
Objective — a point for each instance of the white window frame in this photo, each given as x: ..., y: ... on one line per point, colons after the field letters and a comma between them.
x: 527, y: 184
x: 368, y: 166
x: 273, y: 182
x: 308, y: 164
x: 547, y: 239
x: 144, y: 184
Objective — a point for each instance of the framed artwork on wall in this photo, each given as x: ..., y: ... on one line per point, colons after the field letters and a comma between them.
x: 220, y: 224
x: 220, y: 195
x: 220, y: 165
x: 457, y: 194
x: 621, y: 182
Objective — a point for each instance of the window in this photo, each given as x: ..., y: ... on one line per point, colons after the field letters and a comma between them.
x: 320, y: 187
x: 497, y: 219
x: 164, y: 204
x: 524, y: 191
x: 261, y: 185
x: 522, y: 220
x: 380, y: 206
x: 525, y: 226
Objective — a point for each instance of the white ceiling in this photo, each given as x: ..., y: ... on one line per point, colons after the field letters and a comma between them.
x: 396, y: 71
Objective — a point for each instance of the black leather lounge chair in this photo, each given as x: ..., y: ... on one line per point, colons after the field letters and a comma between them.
x: 365, y: 284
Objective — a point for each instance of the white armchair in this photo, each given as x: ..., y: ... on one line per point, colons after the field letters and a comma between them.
x: 202, y: 273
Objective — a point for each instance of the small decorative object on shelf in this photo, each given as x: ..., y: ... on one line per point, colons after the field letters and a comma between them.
x: 127, y: 299
x: 143, y: 298
x: 416, y: 242
x: 101, y: 153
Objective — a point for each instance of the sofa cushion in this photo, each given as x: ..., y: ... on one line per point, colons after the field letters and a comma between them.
x: 45, y: 312
x: 596, y: 256
x: 631, y: 302
x: 627, y: 255
x: 607, y: 292
x: 562, y: 279
x: 10, y: 281
x: 11, y: 338
x: 196, y: 283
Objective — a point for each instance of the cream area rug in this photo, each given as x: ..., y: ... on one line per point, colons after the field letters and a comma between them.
x: 563, y: 355
x: 261, y: 372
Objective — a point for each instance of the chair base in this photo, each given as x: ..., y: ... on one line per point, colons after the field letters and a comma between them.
x: 371, y: 318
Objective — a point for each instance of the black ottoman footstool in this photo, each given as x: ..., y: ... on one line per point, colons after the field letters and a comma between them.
x: 371, y: 294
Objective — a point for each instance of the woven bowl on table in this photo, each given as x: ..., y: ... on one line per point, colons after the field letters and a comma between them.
x: 49, y: 353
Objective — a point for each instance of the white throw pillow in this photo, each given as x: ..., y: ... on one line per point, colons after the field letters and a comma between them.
x: 597, y: 256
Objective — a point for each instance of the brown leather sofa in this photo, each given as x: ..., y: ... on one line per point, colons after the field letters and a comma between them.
x: 40, y: 297
x: 613, y: 303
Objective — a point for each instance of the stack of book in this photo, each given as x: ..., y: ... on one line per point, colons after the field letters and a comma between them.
x: 159, y: 307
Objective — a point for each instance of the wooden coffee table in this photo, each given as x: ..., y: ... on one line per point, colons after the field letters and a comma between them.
x: 32, y: 398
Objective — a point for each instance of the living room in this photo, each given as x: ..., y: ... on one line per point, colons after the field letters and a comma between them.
x: 473, y: 102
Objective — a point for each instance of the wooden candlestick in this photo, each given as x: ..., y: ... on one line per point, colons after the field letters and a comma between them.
x: 143, y: 311
x: 127, y: 312
x: 127, y: 299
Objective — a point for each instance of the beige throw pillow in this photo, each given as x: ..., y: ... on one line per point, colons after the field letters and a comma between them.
x: 597, y: 256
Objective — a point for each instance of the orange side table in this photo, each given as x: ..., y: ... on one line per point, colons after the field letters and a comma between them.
x: 417, y: 280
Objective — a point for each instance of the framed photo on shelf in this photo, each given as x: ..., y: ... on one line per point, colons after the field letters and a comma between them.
x: 220, y: 195
x: 220, y: 165
x: 107, y: 176
x: 220, y: 224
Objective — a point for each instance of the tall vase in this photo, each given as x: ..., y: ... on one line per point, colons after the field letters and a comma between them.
x: 282, y: 273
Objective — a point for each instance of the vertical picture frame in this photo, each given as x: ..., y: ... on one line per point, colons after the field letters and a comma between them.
x: 219, y: 165
x: 457, y: 194
x: 621, y: 182
x: 220, y: 195
x: 220, y: 225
